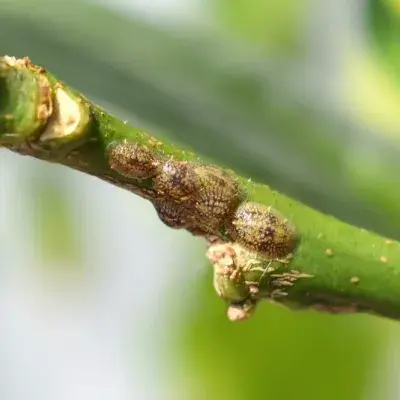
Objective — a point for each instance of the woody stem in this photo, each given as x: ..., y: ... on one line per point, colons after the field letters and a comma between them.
x: 42, y: 117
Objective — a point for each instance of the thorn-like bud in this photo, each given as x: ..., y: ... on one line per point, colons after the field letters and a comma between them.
x: 243, y: 277
x: 241, y: 311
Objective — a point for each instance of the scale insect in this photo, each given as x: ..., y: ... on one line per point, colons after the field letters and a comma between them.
x: 209, y: 194
x: 263, y: 230
x: 132, y: 160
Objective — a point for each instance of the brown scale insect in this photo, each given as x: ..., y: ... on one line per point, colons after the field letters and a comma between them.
x: 217, y: 196
x: 176, y: 180
x: 132, y: 160
x: 176, y: 216
x: 259, y: 228
x: 172, y: 214
x: 209, y: 193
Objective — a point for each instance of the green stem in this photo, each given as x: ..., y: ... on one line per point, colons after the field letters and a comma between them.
x: 348, y: 269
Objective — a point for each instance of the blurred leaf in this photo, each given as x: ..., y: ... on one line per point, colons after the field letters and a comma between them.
x: 383, y: 25
x: 366, y: 81
x: 278, y: 354
x: 55, y: 234
x: 230, y: 103
x: 276, y: 25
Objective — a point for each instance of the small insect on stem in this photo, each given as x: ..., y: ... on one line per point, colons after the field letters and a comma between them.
x: 171, y: 214
x: 259, y: 228
x: 132, y: 160
x: 176, y: 180
x: 208, y: 193
x: 218, y: 195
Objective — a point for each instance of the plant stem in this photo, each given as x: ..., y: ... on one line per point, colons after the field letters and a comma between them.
x: 349, y: 269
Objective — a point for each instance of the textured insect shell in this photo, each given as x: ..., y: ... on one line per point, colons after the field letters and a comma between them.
x: 132, y: 160
x: 217, y: 195
x: 176, y: 180
x: 172, y: 214
x: 259, y: 228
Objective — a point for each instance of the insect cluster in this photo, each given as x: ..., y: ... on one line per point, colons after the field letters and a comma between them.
x: 209, y: 201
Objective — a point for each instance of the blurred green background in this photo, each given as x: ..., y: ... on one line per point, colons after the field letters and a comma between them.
x: 99, y: 300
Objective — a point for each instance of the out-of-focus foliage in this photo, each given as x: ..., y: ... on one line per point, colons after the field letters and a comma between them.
x: 275, y: 25
x: 279, y: 354
x: 58, y: 240
x: 383, y: 23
